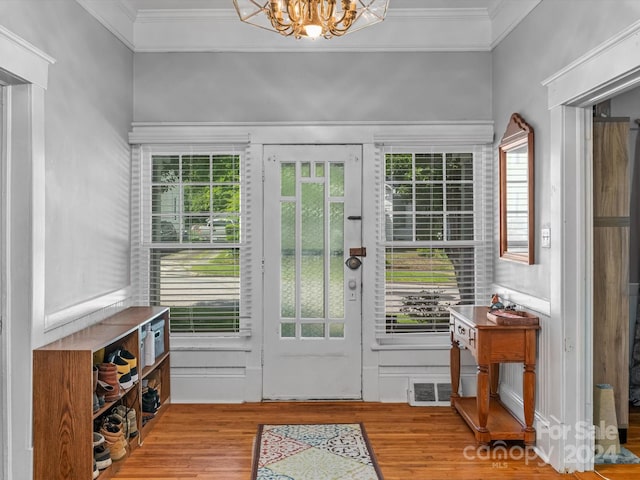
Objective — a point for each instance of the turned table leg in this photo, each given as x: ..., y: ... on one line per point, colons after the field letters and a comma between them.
x: 529, y: 393
x: 529, y: 387
x: 454, y: 356
x: 494, y: 376
x: 482, y: 401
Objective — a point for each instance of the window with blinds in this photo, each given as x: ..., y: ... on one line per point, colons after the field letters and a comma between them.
x: 434, y: 232
x: 194, y: 239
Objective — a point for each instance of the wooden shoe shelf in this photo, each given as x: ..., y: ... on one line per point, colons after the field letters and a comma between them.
x: 63, y: 415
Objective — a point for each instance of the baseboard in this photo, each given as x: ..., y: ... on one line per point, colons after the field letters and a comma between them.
x: 190, y: 385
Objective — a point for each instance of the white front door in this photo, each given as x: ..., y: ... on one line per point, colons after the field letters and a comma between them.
x: 312, y: 313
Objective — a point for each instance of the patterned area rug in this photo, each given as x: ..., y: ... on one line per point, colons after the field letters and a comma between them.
x: 625, y: 457
x: 314, y: 452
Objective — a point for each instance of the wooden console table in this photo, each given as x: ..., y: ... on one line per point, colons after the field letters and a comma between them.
x: 492, y: 344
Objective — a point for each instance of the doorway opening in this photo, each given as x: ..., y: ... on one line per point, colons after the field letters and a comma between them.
x: 616, y: 257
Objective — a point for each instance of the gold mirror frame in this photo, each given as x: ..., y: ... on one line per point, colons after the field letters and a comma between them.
x: 516, y: 192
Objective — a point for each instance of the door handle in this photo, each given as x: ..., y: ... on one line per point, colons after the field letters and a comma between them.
x: 353, y: 262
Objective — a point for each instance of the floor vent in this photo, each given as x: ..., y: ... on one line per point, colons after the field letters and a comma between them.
x: 429, y: 392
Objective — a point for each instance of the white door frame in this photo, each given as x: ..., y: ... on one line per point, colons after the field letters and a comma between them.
x: 608, y: 70
x: 26, y: 68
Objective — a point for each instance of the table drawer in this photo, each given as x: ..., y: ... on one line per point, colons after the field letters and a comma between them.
x: 463, y: 334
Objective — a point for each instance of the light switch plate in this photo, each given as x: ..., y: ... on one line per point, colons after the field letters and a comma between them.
x: 545, y: 235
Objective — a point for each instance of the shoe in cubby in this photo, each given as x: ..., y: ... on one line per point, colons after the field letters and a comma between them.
x: 128, y: 416
x: 113, y: 433
x: 108, y: 377
x: 102, y: 456
x: 133, y: 363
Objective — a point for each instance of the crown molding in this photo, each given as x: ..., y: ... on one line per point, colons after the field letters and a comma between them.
x: 219, y: 29
x: 117, y: 16
x: 506, y: 15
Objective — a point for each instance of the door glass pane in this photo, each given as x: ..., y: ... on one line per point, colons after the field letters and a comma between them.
x: 287, y: 260
x: 320, y: 170
x: 305, y: 170
x: 336, y: 262
x: 312, y: 330
x: 288, y: 330
x: 336, y: 179
x: 288, y: 179
x: 336, y: 330
x: 312, y: 268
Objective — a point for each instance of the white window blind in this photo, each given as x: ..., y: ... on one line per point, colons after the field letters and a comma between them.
x: 191, y: 250
x: 435, y: 213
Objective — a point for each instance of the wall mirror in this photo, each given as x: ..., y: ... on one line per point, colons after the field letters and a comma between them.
x: 516, y: 192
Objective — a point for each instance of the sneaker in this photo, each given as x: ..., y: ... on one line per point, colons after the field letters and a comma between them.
x: 133, y: 363
x: 97, y: 439
x: 114, y: 438
x: 125, y: 381
x: 150, y: 401
x: 102, y: 456
x: 120, y: 412
x: 124, y: 372
x: 128, y: 416
x: 96, y: 471
x: 133, y: 423
x: 112, y: 355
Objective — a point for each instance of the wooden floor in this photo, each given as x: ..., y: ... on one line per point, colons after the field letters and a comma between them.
x: 623, y: 472
x: 418, y: 443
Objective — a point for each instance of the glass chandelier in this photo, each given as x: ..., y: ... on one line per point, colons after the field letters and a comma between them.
x: 312, y: 18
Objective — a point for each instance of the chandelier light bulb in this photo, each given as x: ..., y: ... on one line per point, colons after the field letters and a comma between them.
x: 313, y: 31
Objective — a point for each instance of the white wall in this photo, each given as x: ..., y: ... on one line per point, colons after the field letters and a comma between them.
x: 540, y: 46
x: 88, y: 110
x: 307, y: 87
x: 68, y: 220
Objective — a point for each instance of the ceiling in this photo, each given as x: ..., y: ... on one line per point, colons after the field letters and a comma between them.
x: 213, y: 26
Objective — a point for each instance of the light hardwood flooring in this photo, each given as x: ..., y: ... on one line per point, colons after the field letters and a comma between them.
x: 419, y: 443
